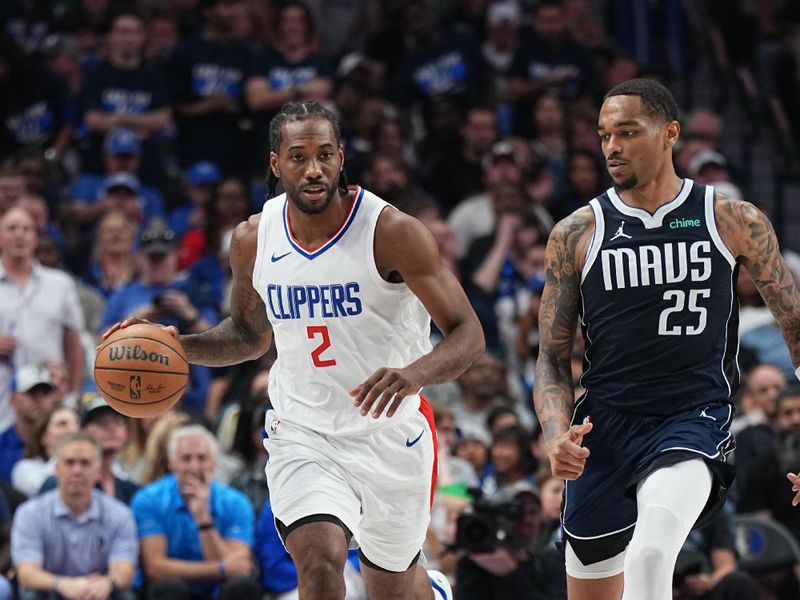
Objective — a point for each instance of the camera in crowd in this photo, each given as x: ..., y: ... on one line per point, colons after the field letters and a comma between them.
x: 487, y: 525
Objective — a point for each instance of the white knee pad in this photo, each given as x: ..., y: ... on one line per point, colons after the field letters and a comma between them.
x: 599, y: 570
x: 669, y: 501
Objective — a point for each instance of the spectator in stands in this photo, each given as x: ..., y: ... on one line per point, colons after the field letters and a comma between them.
x: 38, y: 462
x: 706, y: 565
x: 6, y: 592
x: 503, y: 24
x: 34, y: 109
x: 501, y: 417
x: 159, y: 295
x: 195, y: 533
x: 36, y: 304
x: 483, y: 386
x: 585, y: 180
x: 456, y: 172
x: 201, y: 184
x: 12, y: 187
x: 124, y: 92
x: 156, y: 461
x: 514, y: 464
x: 207, y: 75
x: 122, y: 155
x: 765, y: 488
x: 711, y: 168
x: 110, y: 429
x: 114, y: 263
x: 32, y: 397
x: 75, y: 541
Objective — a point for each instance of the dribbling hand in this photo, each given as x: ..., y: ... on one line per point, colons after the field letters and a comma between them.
x: 567, y: 455
x: 173, y: 331
x: 382, y: 387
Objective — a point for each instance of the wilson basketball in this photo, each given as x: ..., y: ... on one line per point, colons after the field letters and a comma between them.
x: 141, y: 370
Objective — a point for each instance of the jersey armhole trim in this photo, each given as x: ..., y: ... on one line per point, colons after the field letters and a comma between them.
x: 711, y: 224
x: 597, y: 238
x: 372, y: 228
x: 260, y: 245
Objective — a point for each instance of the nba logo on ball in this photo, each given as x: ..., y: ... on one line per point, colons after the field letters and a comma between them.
x: 141, y: 370
x: 135, y: 387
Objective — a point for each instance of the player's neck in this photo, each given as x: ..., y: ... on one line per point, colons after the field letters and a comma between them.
x: 313, y: 230
x: 651, y: 195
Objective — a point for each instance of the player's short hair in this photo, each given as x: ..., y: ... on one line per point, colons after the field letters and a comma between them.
x: 657, y: 100
x: 293, y: 112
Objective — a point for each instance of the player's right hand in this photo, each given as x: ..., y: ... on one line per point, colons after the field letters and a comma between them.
x: 173, y: 331
x: 567, y: 455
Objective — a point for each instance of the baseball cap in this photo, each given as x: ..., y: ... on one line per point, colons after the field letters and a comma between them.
x: 203, y: 172
x: 28, y: 377
x: 125, y: 180
x: 93, y: 408
x: 504, y: 13
x: 157, y: 239
x: 703, y: 159
x: 123, y: 141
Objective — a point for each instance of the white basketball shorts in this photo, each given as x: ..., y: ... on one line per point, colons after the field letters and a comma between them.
x: 379, y: 485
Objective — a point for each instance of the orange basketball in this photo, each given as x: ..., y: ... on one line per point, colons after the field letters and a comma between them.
x: 141, y: 370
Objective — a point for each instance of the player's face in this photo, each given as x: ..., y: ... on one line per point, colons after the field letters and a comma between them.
x: 635, y: 145
x: 308, y: 164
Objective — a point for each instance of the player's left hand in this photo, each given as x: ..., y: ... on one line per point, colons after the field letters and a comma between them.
x: 382, y: 387
x: 795, y: 479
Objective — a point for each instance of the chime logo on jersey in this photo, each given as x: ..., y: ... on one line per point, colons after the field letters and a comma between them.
x: 314, y: 301
x: 655, y: 265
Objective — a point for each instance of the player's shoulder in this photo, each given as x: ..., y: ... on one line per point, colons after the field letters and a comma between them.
x: 394, y: 227
x: 577, y: 224
x: 570, y: 238
x: 735, y: 208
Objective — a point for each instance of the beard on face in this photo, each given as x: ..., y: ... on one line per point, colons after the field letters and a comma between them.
x: 293, y: 193
x: 630, y: 183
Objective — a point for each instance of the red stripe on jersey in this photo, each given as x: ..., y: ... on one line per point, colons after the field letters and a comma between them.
x: 427, y: 412
x: 356, y: 191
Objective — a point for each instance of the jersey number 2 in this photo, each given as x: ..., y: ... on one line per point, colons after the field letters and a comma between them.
x: 679, y: 298
x: 322, y: 331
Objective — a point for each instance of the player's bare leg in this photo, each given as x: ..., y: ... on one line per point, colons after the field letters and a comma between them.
x: 413, y: 584
x: 608, y: 588
x: 319, y: 550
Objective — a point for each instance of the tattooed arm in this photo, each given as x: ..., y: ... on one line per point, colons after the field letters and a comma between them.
x: 749, y: 234
x: 247, y: 333
x: 558, y: 316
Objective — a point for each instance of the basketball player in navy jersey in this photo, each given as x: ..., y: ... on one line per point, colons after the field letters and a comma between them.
x: 649, y: 270
x: 347, y: 285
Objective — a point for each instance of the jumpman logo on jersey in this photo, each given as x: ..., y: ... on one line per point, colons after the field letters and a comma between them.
x: 705, y: 416
x: 620, y: 233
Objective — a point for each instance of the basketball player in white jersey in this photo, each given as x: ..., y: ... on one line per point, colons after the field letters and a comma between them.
x: 345, y: 283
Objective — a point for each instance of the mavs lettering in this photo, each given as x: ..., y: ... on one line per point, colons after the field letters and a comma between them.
x: 314, y: 301
x: 656, y: 265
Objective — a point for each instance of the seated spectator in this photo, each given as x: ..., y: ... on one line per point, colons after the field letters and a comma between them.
x: 160, y: 295
x: 31, y: 398
x: 110, y: 429
x: 706, y: 565
x: 38, y: 462
x: 195, y: 533
x: 156, y: 462
x: 113, y: 265
x: 513, y: 462
x: 75, y: 541
x: 201, y: 182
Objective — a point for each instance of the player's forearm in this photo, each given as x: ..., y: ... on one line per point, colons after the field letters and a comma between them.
x: 553, y: 395
x: 452, y: 356
x: 225, y: 344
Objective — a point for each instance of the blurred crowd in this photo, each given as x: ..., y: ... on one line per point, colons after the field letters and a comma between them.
x: 133, y: 138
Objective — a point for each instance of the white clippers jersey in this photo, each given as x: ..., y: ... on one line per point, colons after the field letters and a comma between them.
x: 335, y: 319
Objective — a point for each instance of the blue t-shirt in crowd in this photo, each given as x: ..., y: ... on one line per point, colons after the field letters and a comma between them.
x: 11, y: 447
x: 160, y: 509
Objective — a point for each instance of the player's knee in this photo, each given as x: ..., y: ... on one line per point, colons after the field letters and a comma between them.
x: 321, y: 580
x: 648, y: 558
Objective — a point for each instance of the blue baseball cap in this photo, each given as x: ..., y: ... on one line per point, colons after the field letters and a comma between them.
x: 125, y: 180
x: 123, y: 141
x: 203, y: 172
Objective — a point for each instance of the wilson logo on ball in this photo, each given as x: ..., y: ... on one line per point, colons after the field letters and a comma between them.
x: 136, y: 353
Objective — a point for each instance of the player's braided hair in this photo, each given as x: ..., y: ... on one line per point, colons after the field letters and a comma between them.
x: 657, y: 100
x: 300, y: 111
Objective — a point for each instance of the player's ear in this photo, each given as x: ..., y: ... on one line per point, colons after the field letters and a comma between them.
x: 340, y: 150
x: 273, y: 164
x: 672, y: 132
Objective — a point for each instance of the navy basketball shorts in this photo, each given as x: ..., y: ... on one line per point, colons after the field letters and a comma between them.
x: 599, y: 508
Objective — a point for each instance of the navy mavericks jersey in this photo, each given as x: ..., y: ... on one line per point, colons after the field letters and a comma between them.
x: 659, y: 308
